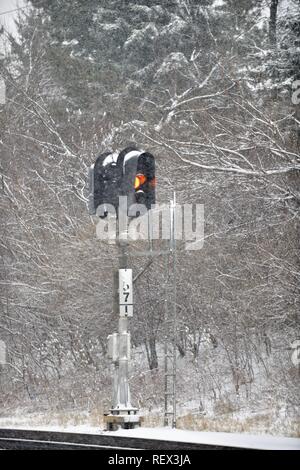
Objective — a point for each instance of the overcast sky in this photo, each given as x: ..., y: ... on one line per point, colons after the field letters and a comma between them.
x: 7, y: 20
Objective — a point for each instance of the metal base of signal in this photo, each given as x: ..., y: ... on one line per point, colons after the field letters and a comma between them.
x: 128, y: 418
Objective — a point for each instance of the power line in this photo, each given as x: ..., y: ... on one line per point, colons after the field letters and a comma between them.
x: 11, y: 11
x: 21, y: 8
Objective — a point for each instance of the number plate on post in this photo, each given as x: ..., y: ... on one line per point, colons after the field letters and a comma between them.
x: 125, y: 293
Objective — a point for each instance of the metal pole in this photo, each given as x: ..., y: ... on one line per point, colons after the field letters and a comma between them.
x: 170, y: 345
x: 122, y: 413
x: 167, y: 339
x: 123, y: 385
x: 174, y: 258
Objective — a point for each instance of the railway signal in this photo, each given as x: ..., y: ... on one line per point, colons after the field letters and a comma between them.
x: 104, y: 181
x: 130, y: 174
x: 139, y: 181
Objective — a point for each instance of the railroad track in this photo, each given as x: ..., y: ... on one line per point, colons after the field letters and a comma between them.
x: 20, y: 439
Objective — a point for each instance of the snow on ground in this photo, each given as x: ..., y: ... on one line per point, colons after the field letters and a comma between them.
x: 215, y: 438
x: 80, y: 429
x: 218, y: 438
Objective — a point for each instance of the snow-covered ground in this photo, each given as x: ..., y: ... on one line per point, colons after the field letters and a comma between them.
x: 250, y: 441
x: 217, y: 438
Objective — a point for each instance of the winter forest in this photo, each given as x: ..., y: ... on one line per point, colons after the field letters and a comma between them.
x: 212, y: 89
